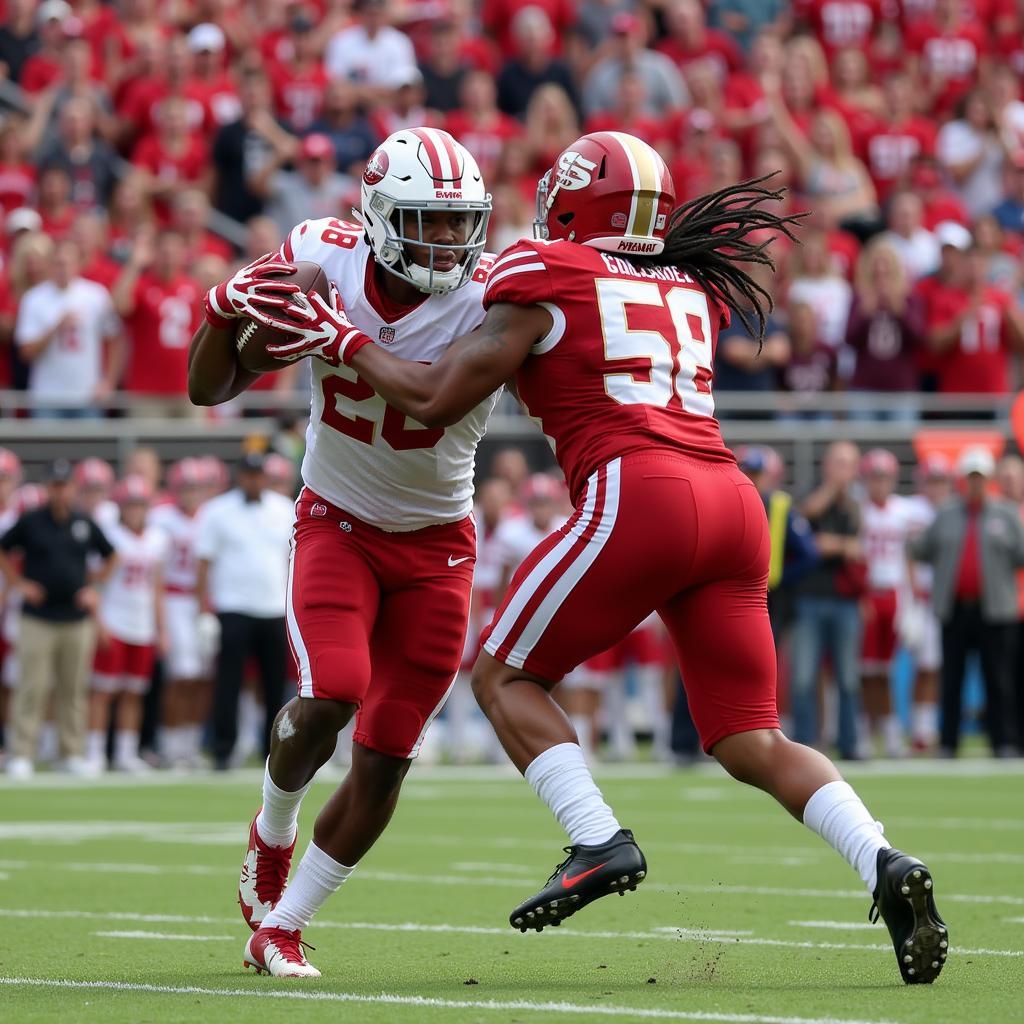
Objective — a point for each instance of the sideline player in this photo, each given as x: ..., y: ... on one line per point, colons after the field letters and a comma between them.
x: 384, y: 545
x: 608, y: 325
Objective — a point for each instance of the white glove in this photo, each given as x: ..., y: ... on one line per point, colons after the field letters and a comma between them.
x: 320, y: 329
x: 208, y: 631
x: 253, y: 292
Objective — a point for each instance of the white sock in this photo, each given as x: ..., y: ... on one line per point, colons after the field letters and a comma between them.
x: 49, y: 746
x: 561, y: 779
x: 192, y: 740
x: 96, y: 746
x: 126, y: 746
x: 838, y: 815
x: 892, y: 733
x: 277, y: 823
x: 925, y: 722
x: 316, y: 877
x: 171, y: 742
x: 653, y: 693
x: 620, y: 733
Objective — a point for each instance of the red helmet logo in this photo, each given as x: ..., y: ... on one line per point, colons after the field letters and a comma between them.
x: 376, y: 168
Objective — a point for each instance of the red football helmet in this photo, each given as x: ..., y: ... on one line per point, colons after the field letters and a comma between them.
x: 133, y: 489
x: 881, y: 462
x: 608, y: 190
x: 187, y: 472
x: 94, y: 472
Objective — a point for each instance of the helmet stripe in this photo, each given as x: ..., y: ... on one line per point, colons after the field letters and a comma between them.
x: 647, y: 182
x: 453, y: 158
x: 442, y: 155
x: 433, y: 155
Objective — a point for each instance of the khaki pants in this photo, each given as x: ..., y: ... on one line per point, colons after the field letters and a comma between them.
x: 52, y: 656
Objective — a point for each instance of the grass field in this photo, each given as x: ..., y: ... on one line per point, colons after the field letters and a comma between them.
x: 117, y: 905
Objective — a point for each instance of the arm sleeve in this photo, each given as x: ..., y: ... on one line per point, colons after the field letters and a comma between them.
x: 15, y: 536
x: 292, y: 245
x: 519, y: 276
x: 801, y: 551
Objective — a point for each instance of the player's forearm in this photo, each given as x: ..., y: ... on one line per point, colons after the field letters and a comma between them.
x: 416, y: 389
x: 214, y: 374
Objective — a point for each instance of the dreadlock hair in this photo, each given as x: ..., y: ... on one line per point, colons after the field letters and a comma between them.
x: 707, y: 238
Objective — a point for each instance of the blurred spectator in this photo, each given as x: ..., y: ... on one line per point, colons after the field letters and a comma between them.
x: 160, y: 305
x: 629, y: 113
x: 370, y: 53
x: 551, y: 125
x: 916, y: 246
x: 837, y: 25
x: 262, y: 236
x: 812, y: 367
x: 64, y: 326
x: 688, y: 39
x: 972, y: 151
x: 479, y: 125
x: 211, y: 79
x: 855, y: 95
x: 444, y: 67
x: 499, y: 16
x: 56, y: 634
x: 242, y: 149
x: 42, y: 68
x: 532, y: 62
x: 299, y: 82
x: 1009, y: 212
x: 189, y: 217
x: 885, y: 330
x: 405, y: 108
x: 242, y: 547
x: 792, y: 544
x: 173, y: 159
x: 940, y: 203
x: 815, y: 281
x: 947, y: 51
x: 745, y: 20
x: 19, y: 37
x: 827, y: 606
x: 898, y: 135
x: 976, y: 544
x: 351, y: 133
x: 130, y: 211
x: 511, y: 217
x: 90, y: 234
x: 94, y: 484
x: 53, y: 201
x: 281, y: 474
x: 314, y: 189
x: 973, y: 329
x: 663, y: 83
x: 17, y: 172
x: 510, y: 465
x: 88, y: 160
x: 130, y: 631
x: 1001, y: 260
x: 1010, y: 478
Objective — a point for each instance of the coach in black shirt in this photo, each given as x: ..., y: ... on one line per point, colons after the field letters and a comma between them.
x: 56, y: 634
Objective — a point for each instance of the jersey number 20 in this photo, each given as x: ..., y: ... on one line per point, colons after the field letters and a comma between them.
x: 679, y: 357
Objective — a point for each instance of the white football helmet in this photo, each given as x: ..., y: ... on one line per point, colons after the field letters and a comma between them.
x: 414, y: 171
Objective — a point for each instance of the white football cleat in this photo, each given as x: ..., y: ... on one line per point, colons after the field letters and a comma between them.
x: 133, y: 765
x: 20, y: 768
x: 278, y: 952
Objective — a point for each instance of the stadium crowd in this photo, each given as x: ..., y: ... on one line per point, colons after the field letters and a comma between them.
x: 139, y: 613
x: 897, y: 123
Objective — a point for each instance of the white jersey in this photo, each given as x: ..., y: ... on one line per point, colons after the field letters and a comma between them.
x: 180, y: 532
x: 361, y: 454
x: 489, y: 566
x: 10, y: 601
x: 920, y: 513
x: 128, y: 608
x: 69, y: 369
x: 518, y: 536
x: 885, y: 531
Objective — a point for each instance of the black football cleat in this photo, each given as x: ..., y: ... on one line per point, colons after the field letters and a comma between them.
x: 904, y: 900
x: 587, y: 874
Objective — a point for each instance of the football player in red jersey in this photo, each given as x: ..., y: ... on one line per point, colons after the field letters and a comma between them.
x: 608, y: 325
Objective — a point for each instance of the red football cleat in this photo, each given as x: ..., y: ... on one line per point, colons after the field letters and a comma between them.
x: 264, y: 874
x: 278, y: 952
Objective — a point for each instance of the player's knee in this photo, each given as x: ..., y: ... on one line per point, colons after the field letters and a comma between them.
x: 378, y: 776
x: 485, y: 680
x: 307, y: 719
x: 341, y: 674
x: 748, y: 756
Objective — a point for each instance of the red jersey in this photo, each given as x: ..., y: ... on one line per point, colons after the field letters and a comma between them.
x: 950, y: 58
x: 627, y: 364
x: 888, y: 150
x: 979, y: 361
x: 17, y: 181
x: 299, y: 95
x: 166, y: 315
x: 485, y: 141
x: 840, y: 24
x: 719, y: 49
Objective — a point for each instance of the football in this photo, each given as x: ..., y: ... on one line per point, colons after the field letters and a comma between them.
x: 252, y: 337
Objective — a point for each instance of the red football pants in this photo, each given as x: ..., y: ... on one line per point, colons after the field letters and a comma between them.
x: 655, y: 532
x: 378, y: 619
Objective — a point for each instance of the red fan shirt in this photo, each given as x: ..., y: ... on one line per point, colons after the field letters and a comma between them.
x: 159, y: 329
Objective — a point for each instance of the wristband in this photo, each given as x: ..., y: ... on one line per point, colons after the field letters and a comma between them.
x: 359, y: 341
x: 213, y: 316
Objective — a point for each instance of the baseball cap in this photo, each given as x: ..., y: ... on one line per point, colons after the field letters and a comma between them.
x: 206, y: 36
x: 93, y: 472
x: 976, y: 460
x: 933, y: 466
x: 52, y: 10
x: 60, y: 471
x: 187, y: 472
x: 252, y: 462
x: 24, y: 218
x: 316, y: 146
x: 752, y: 459
x: 133, y: 489
x: 953, y: 234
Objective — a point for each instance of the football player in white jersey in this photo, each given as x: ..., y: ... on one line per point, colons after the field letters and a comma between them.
x: 886, y: 526
x: 10, y: 477
x: 384, y: 544
x: 131, y: 627
x: 919, y: 625
x: 186, y: 668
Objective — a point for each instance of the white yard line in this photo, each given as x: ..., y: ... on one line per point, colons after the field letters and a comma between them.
x: 167, y: 936
x: 663, y: 933
x: 848, y: 926
x: 520, y: 1005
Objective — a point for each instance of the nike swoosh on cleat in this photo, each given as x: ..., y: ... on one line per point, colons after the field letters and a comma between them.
x: 458, y: 561
x: 569, y: 881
